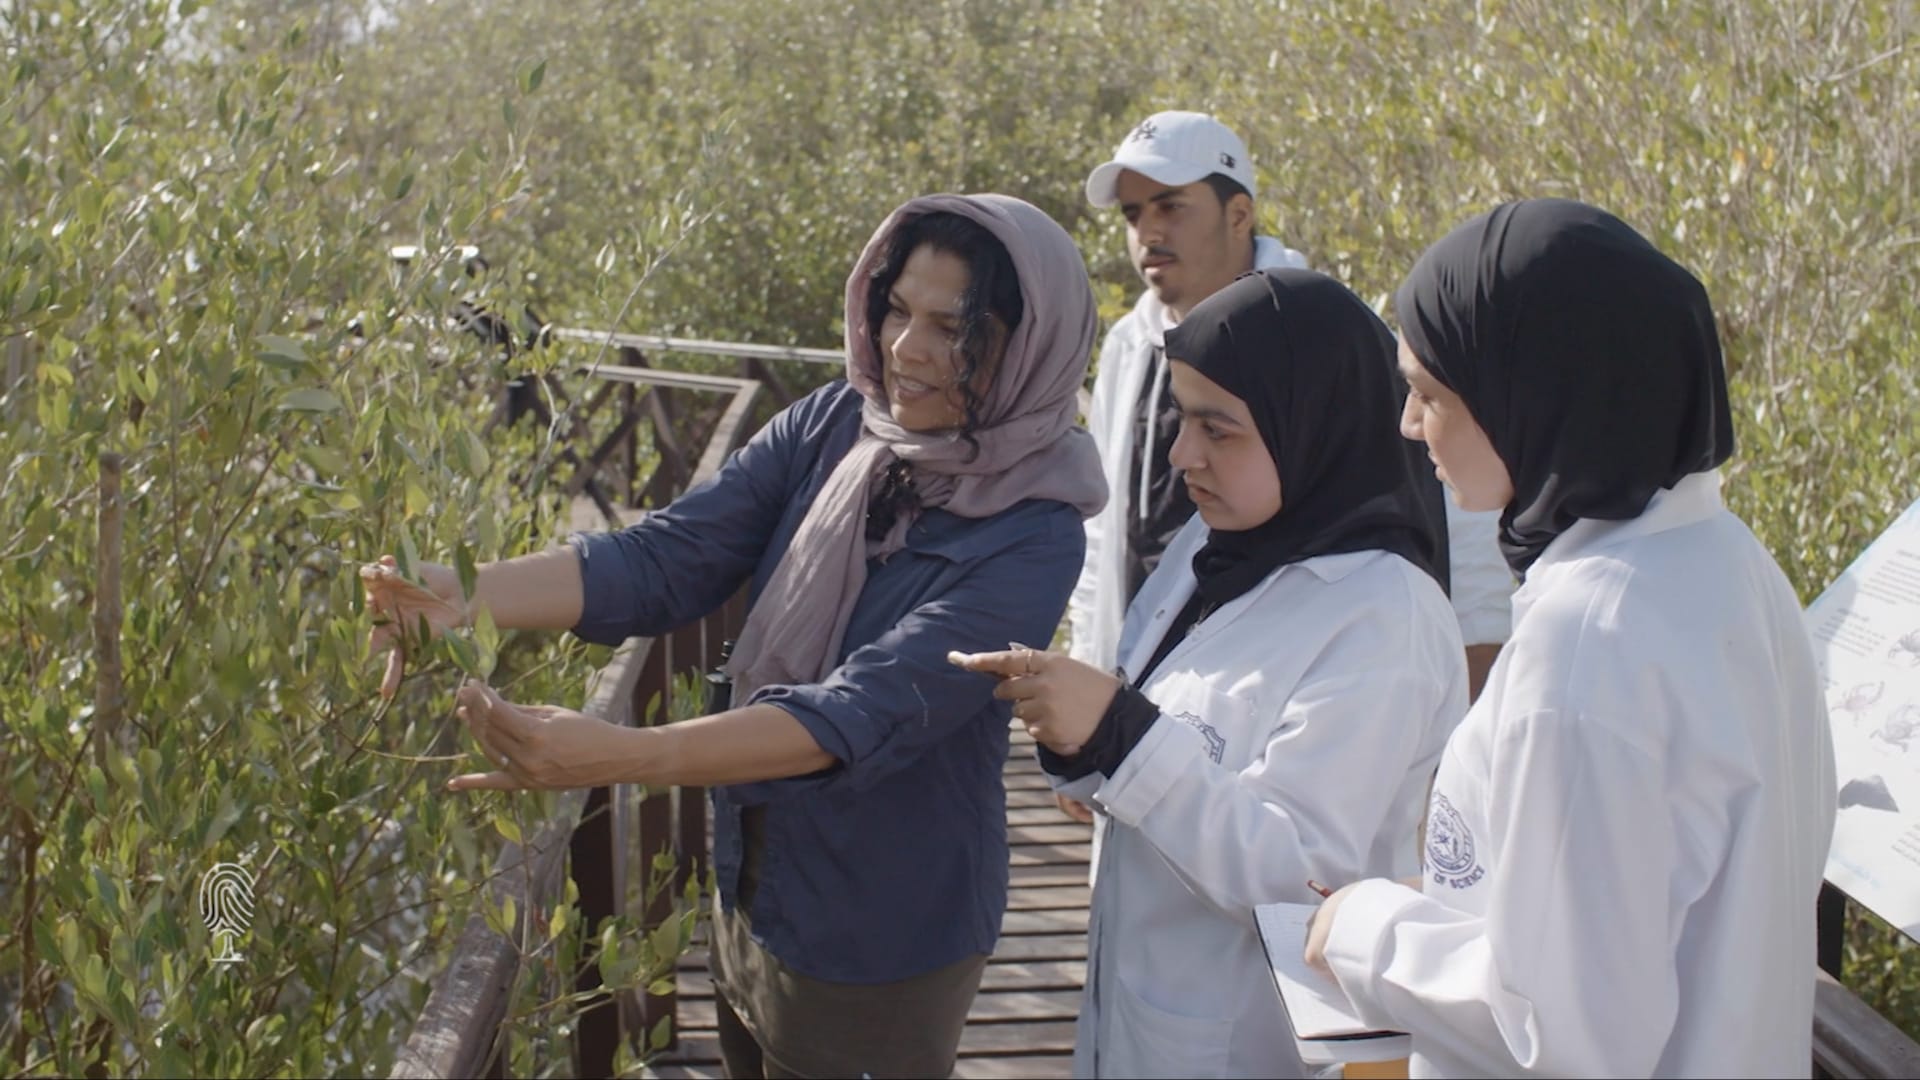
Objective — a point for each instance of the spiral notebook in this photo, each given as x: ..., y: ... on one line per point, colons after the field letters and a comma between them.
x: 1325, y: 1027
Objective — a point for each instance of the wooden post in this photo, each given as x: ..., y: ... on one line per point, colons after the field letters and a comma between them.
x: 109, y: 693
x: 1830, y: 921
x: 596, y: 872
x: 715, y: 631
x: 1830, y: 948
x: 692, y: 654
x: 756, y: 368
x: 656, y: 829
x: 630, y: 477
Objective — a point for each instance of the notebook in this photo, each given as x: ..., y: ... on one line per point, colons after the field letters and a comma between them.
x: 1325, y: 1029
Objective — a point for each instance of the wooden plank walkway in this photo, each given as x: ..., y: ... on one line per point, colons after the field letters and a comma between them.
x: 1022, y: 1021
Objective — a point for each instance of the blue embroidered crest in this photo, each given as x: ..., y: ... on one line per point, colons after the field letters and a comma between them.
x: 1145, y: 130
x: 1450, y: 852
x: 1216, y: 742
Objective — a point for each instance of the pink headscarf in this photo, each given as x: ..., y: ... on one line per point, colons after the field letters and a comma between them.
x: 1030, y: 445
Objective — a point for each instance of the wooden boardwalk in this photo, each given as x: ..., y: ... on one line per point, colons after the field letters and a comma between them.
x: 1022, y: 1021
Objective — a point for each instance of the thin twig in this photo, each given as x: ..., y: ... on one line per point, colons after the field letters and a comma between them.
x: 109, y: 693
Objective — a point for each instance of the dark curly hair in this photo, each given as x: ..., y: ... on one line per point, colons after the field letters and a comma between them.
x: 993, y: 289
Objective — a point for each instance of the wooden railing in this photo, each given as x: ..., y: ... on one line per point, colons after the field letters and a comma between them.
x: 1850, y: 1038
x: 602, y: 836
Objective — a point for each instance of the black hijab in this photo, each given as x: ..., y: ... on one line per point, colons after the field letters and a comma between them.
x: 1316, y: 368
x: 1588, y: 357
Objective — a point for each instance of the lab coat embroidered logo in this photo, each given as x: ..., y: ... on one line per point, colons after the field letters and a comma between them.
x: 1216, y: 742
x: 1450, y: 846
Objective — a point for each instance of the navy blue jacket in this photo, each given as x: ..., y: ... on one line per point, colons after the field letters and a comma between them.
x: 893, y: 862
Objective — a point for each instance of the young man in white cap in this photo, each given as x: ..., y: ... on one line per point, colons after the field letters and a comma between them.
x: 1186, y: 185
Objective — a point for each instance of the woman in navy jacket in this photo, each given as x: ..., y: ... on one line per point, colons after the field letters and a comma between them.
x: 933, y: 500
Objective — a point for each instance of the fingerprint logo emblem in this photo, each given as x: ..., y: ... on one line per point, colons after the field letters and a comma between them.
x: 226, y: 905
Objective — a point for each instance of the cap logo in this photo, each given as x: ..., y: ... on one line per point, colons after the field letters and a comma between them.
x: 1146, y: 130
x: 1227, y: 160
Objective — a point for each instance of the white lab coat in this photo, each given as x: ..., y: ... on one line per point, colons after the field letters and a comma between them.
x: 1481, y: 583
x: 1628, y: 832
x: 1299, y: 727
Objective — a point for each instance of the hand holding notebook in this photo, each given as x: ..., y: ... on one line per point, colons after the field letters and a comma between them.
x: 1325, y: 1026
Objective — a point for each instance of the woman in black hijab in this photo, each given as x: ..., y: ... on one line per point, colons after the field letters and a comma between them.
x: 1590, y: 359
x: 1628, y: 832
x: 1288, y: 676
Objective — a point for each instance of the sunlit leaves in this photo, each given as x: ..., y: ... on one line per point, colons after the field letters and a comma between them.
x: 186, y: 245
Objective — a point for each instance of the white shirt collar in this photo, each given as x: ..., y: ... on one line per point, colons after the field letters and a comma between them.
x: 1694, y: 498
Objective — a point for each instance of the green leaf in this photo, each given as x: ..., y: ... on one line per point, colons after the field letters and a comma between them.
x: 325, y: 460
x: 104, y: 888
x: 463, y: 564
x: 282, y: 352
x: 464, y: 654
x: 265, y: 1030
x: 93, y: 979
x: 44, y: 941
x: 478, y: 458
x: 663, y: 942
x: 534, y: 78
x: 508, y: 828
x: 485, y: 634
x: 223, y: 819
x: 310, y: 399
x: 68, y: 934
x: 409, y: 554
x: 661, y: 1034
x: 486, y: 528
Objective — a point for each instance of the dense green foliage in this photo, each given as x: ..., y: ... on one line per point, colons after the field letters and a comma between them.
x: 197, y: 202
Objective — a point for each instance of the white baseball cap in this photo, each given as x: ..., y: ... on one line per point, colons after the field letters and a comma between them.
x: 1175, y: 148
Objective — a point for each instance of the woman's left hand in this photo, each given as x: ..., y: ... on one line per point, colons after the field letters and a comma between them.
x: 1058, y: 698
x: 541, y: 747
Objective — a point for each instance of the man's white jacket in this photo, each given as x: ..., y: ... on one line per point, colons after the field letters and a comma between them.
x: 1101, y: 594
x: 1481, y: 583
